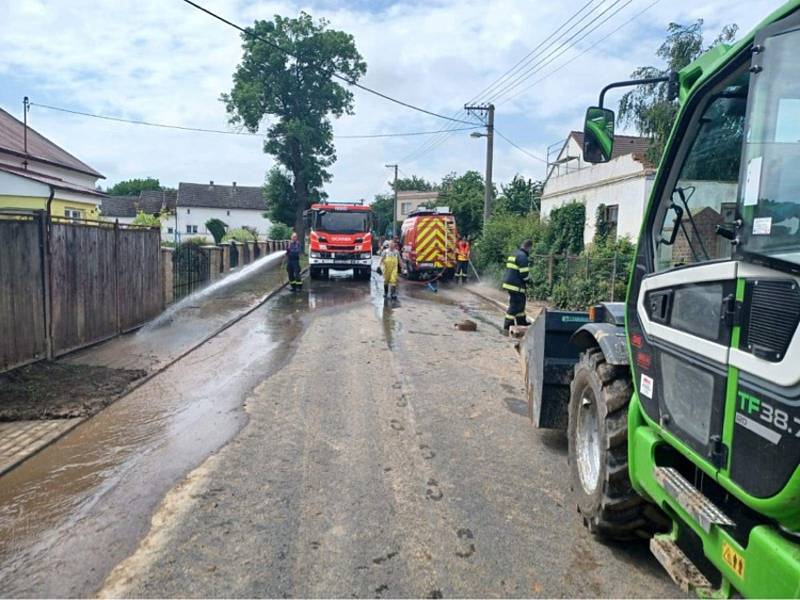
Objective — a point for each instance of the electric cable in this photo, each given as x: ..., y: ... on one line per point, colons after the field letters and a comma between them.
x: 581, y: 53
x: 245, y: 133
x: 329, y: 72
x: 558, y: 51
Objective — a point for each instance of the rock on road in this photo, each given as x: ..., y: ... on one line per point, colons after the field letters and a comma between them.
x: 391, y: 456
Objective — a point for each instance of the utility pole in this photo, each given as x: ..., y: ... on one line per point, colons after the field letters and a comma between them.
x: 26, y: 106
x: 394, y: 206
x: 487, y: 109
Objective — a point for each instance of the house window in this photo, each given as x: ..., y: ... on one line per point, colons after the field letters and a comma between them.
x: 611, y: 217
x: 191, y: 229
x: 73, y: 213
x: 405, y: 208
x: 188, y: 211
x: 228, y: 213
x: 170, y: 230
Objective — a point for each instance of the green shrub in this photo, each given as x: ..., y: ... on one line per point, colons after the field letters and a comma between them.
x: 217, y: 228
x: 579, y: 292
x: 503, y: 235
x: 147, y: 220
x: 279, y: 231
x: 239, y: 234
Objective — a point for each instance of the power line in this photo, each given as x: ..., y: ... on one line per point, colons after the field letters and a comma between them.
x: 558, y: 51
x: 520, y: 148
x: 534, y: 55
x: 328, y: 72
x: 433, y: 143
x: 582, y: 52
x: 245, y: 133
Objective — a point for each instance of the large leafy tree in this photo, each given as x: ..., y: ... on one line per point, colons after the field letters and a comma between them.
x: 299, y: 93
x: 280, y: 197
x: 648, y: 107
x: 413, y: 184
x: 132, y: 187
x: 464, y: 195
x: 382, y: 213
x: 520, y: 196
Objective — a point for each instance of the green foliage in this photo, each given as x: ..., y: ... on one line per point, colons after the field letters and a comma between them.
x: 279, y: 196
x: 382, y: 213
x: 217, y: 228
x: 239, y: 234
x: 194, y: 241
x: 503, y: 235
x: 298, y: 94
x: 647, y: 107
x: 464, y: 195
x: 146, y: 220
x: 412, y: 184
x: 279, y: 231
x: 520, y: 197
x: 602, y: 228
x: 565, y: 226
x: 132, y: 187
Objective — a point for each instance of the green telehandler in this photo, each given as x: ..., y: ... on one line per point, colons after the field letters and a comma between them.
x: 682, y: 404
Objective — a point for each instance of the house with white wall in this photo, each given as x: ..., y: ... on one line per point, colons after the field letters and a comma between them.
x: 622, y: 184
x: 37, y: 174
x: 236, y: 205
x: 157, y: 203
x: 408, y: 202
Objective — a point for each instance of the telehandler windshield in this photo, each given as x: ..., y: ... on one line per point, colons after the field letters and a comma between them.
x: 770, y: 190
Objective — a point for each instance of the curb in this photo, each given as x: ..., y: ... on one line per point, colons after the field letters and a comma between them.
x: 139, y: 383
x: 489, y: 299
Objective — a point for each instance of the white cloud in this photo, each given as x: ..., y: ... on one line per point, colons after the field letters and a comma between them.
x: 163, y: 61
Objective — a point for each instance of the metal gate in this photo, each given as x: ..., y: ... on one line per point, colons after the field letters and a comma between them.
x: 189, y: 269
x: 234, y: 256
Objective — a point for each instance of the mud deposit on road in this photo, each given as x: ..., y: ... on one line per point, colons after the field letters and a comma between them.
x: 55, y: 390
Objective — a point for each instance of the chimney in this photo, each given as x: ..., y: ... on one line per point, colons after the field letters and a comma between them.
x: 211, y: 185
x: 234, y: 186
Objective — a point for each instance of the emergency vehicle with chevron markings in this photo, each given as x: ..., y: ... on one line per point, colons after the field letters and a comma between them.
x: 428, y: 244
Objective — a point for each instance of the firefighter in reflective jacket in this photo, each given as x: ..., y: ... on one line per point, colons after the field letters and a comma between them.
x: 462, y: 260
x: 515, y: 280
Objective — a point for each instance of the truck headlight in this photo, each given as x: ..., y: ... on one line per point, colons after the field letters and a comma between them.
x: 366, y: 255
x: 315, y: 255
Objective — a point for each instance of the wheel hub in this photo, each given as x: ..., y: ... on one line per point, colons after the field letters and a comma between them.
x: 587, y: 438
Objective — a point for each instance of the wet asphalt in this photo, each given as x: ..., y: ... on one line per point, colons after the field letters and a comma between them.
x: 328, y: 444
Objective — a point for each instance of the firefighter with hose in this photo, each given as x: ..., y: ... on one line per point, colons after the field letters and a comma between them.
x: 293, y: 263
x: 515, y: 280
x: 462, y: 260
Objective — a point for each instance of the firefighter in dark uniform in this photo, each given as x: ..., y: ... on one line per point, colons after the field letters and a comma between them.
x: 515, y: 281
x: 293, y: 263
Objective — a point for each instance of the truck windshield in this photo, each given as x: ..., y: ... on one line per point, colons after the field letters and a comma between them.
x: 342, y: 222
x: 770, y: 189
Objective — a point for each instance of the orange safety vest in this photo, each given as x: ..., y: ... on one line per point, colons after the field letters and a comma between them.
x: 462, y: 250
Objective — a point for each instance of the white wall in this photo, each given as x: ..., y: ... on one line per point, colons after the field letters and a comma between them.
x: 623, y: 181
x: 234, y: 218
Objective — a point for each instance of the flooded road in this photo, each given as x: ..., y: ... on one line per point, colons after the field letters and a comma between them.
x: 328, y: 444
x: 79, y: 507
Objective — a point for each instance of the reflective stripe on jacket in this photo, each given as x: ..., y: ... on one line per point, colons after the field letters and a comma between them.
x: 517, y: 273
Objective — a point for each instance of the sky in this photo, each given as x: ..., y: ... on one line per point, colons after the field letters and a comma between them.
x: 163, y: 61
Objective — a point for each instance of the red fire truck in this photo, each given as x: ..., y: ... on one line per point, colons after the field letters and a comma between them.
x: 339, y: 239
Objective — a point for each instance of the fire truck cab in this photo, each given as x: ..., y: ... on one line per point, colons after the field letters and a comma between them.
x: 340, y: 239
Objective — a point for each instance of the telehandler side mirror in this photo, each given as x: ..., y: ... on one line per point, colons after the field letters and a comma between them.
x: 676, y: 224
x: 598, y: 135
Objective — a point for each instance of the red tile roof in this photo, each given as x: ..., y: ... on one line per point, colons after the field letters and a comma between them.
x: 623, y: 144
x: 39, y: 147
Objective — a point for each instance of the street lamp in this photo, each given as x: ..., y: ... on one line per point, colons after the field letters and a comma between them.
x: 478, y: 134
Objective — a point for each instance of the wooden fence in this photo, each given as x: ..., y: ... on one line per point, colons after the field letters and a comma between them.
x: 66, y: 285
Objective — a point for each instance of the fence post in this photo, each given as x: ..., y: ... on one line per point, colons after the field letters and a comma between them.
x: 44, y: 245
x: 225, y: 261
x: 116, y: 274
x: 167, y: 277
x: 550, y: 264
x: 213, y: 253
x: 613, y: 276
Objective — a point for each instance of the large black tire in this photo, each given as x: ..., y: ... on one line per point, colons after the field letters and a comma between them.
x: 598, y: 450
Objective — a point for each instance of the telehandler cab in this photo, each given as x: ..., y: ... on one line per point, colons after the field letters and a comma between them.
x: 682, y: 405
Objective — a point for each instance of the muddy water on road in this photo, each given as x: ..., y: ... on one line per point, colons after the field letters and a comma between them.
x: 72, y: 512
x: 189, y: 321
